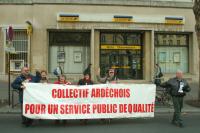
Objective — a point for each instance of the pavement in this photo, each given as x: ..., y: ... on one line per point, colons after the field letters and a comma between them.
x: 159, y: 124
x: 169, y: 109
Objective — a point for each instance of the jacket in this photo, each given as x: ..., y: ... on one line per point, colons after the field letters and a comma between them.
x: 173, y: 86
x: 85, y: 82
x: 65, y: 82
x: 17, y: 83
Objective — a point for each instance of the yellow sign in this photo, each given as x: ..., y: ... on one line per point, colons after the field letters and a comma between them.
x: 68, y: 19
x: 126, y: 20
x: 119, y: 47
x: 125, y: 67
x: 171, y: 21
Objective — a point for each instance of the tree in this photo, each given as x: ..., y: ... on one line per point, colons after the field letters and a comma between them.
x: 196, y: 9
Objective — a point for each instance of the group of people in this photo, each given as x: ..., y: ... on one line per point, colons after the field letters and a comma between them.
x: 176, y: 87
x: 41, y: 77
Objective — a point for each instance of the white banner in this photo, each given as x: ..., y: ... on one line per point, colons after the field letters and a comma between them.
x: 54, y: 101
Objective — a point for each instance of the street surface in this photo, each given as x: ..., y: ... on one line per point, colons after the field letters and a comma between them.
x: 159, y: 124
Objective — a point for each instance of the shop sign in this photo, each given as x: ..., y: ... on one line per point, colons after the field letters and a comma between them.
x: 119, y: 47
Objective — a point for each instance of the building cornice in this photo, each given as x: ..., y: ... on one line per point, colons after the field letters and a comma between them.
x: 143, y: 3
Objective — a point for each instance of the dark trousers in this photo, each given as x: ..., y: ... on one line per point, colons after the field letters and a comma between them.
x: 178, y: 105
x: 25, y: 120
x: 157, y: 81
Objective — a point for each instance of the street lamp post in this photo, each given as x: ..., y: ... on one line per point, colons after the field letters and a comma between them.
x: 9, y: 49
x: 9, y: 101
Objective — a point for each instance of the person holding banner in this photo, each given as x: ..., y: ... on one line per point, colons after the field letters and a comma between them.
x: 177, y: 88
x: 86, y: 81
x: 44, y: 78
x: 62, y: 80
x: 109, y: 78
x: 24, y: 77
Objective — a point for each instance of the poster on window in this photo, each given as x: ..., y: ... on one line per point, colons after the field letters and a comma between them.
x: 61, y: 56
x: 16, y: 65
x: 77, y: 56
x: 176, y: 57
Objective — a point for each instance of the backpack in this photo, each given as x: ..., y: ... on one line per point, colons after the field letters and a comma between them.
x: 55, y: 72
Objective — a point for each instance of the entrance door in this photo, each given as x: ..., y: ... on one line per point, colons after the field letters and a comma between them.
x: 122, y: 51
x: 127, y: 65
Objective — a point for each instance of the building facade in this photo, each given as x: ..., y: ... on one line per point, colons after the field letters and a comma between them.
x: 128, y: 35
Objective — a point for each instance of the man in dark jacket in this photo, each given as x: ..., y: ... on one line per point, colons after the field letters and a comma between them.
x: 177, y: 88
x: 87, y: 77
x: 86, y: 81
x: 25, y: 76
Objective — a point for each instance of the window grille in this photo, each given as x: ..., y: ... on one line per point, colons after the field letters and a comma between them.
x: 19, y: 59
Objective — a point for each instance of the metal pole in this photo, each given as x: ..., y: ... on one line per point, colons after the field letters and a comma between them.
x: 9, y: 78
x: 10, y: 38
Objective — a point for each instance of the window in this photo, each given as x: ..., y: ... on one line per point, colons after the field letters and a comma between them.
x: 103, y: 39
x: 164, y: 36
x: 172, y: 54
x: 178, y: 42
x: 70, y: 51
x: 114, y: 39
x: 121, y: 38
x: 164, y: 42
x: 170, y: 36
x: 20, y: 57
x: 170, y: 42
x: 124, y: 54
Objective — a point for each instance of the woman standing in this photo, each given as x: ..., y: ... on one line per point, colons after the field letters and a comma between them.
x: 86, y: 80
x: 44, y: 78
x: 110, y: 77
x: 62, y: 80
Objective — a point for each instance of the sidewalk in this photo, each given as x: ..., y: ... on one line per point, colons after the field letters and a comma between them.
x: 169, y: 109
x: 159, y: 109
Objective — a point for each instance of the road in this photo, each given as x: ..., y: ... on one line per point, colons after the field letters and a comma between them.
x: 159, y: 124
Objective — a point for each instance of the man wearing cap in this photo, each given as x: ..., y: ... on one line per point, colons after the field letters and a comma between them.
x: 177, y: 88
